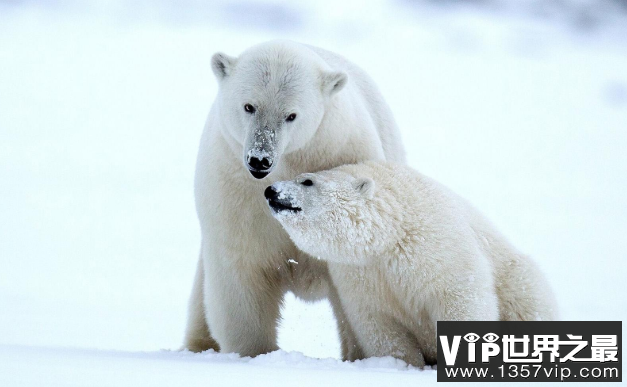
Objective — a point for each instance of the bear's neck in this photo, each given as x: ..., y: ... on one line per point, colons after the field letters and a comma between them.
x: 335, y: 143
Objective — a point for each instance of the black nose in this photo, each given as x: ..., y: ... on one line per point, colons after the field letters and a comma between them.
x: 259, y: 165
x: 270, y: 193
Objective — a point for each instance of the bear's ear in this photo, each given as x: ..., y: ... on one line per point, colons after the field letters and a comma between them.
x: 222, y: 65
x: 333, y: 81
x: 365, y: 186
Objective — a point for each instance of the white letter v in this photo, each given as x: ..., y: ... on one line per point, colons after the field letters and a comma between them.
x: 450, y: 353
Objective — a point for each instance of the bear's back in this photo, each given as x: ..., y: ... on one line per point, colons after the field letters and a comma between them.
x: 376, y: 105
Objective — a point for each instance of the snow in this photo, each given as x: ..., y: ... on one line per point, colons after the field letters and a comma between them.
x: 26, y: 366
x: 521, y: 107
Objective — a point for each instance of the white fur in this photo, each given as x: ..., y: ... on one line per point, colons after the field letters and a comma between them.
x: 405, y: 252
x: 246, y: 256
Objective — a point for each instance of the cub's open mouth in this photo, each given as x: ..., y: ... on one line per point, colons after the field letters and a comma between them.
x: 280, y: 206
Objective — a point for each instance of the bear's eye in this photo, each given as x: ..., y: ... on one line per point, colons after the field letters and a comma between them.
x: 307, y: 183
x: 291, y: 117
x: 249, y: 108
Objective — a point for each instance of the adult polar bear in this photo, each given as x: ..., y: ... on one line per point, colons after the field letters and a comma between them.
x: 282, y: 109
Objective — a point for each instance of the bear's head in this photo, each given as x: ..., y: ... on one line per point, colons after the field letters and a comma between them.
x: 333, y: 215
x: 272, y: 100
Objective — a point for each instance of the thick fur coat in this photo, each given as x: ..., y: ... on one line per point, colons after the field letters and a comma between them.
x: 282, y: 109
x: 406, y: 252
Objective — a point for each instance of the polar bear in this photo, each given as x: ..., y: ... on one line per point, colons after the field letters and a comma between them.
x: 282, y: 108
x: 405, y: 252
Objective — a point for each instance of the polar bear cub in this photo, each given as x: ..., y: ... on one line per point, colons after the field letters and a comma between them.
x: 405, y: 252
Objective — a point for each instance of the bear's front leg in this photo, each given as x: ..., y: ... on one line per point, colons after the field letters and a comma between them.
x: 381, y: 335
x: 197, y: 335
x: 242, y: 302
x: 351, y: 350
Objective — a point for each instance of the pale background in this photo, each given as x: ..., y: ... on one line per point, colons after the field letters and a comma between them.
x: 520, y: 106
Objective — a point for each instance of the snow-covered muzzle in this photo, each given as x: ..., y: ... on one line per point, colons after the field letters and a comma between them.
x: 283, y: 198
x: 261, y: 152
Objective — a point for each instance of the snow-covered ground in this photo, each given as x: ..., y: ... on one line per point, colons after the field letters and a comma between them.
x: 520, y: 106
x: 27, y: 366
